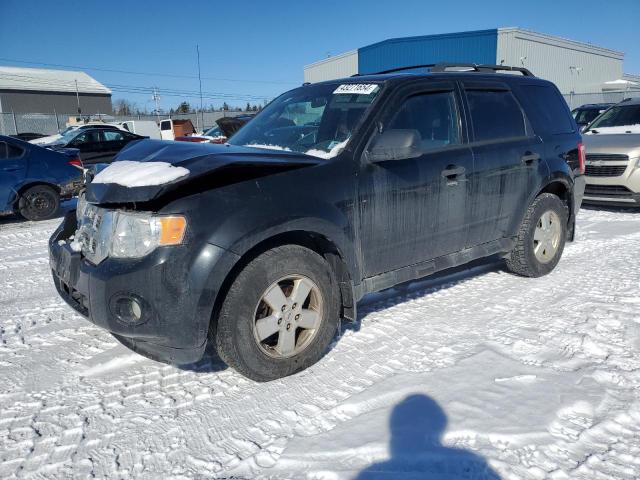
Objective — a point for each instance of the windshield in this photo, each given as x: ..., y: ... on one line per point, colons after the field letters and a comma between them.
x: 213, y: 132
x: 586, y: 115
x: 67, y: 130
x: 618, y: 116
x: 316, y: 120
x: 68, y: 135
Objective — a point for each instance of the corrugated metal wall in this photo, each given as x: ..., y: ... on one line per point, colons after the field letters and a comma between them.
x: 547, y: 56
x: 468, y: 47
x: 343, y: 65
x: 551, y: 57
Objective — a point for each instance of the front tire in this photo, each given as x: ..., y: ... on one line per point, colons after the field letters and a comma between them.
x: 39, y: 203
x: 279, y: 315
x: 541, y: 237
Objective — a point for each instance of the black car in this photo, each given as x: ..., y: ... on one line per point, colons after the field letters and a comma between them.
x: 261, y: 248
x: 96, y: 145
x: 587, y: 113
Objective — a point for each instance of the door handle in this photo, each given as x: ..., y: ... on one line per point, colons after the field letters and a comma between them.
x: 10, y: 169
x: 528, y: 158
x: 452, y: 172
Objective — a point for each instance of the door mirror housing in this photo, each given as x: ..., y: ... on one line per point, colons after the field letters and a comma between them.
x: 396, y: 144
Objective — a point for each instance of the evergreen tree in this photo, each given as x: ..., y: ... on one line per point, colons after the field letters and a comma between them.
x: 184, y: 107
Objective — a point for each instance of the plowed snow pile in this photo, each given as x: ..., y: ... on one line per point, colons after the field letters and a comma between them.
x: 478, y: 374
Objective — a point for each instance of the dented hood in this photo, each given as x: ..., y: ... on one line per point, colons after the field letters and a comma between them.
x: 204, y: 161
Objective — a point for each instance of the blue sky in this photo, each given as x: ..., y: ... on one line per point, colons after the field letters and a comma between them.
x: 254, y: 50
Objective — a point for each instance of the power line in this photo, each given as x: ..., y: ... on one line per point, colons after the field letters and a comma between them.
x: 149, y: 74
x: 122, y: 88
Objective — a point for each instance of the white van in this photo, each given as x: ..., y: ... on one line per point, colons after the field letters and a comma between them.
x: 146, y: 128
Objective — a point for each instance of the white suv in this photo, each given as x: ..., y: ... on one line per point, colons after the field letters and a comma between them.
x: 623, y: 117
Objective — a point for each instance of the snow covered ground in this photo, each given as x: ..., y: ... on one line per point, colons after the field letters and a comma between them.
x: 475, y: 375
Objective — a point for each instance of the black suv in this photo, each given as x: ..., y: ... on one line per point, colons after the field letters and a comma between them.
x: 334, y: 190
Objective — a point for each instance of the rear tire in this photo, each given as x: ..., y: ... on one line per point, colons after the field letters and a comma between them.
x: 541, y: 237
x: 39, y: 203
x: 268, y: 326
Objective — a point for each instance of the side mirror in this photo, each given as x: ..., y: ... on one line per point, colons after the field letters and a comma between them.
x: 396, y: 145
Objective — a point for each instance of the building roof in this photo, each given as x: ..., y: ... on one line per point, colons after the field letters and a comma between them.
x: 41, y: 79
x: 562, y: 42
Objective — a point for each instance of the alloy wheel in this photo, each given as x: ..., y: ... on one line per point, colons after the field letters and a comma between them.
x: 288, y: 316
x: 546, y: 237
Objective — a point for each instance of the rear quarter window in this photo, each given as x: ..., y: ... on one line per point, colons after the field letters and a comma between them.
x: 8, y: 151
x: 495, y: 115
x: 546, y: 109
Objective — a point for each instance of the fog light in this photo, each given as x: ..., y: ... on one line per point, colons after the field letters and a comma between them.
x: 136, y: 309
x: 128, y: 309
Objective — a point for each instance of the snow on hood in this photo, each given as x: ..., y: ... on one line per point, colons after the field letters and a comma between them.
x: 613, y: 130
x: 198, y: 159
x: 140, y: 174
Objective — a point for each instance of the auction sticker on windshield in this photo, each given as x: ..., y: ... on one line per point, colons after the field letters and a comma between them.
x: 359, y: 88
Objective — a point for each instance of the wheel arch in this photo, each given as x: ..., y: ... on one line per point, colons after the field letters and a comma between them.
x: 314, y: 241
x: 561, y: 187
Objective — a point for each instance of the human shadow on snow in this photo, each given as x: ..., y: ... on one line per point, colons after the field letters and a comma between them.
x: 416, y: 451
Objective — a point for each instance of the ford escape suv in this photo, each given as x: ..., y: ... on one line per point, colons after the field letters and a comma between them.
x: 334, y: 190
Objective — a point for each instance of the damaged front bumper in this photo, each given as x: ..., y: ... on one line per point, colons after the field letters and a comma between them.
x: 159, y: 305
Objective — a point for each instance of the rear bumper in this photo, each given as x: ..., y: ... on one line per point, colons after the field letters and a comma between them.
x: 175, y: 286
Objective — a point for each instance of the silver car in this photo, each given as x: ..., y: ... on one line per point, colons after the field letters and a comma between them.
x: 613, y: 169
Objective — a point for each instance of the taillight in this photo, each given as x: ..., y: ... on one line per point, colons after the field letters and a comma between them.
x: 76, y: 162
x: 582, y: 158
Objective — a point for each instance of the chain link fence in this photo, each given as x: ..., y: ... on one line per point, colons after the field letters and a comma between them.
x: 574, y: 100
x: 51, y: 123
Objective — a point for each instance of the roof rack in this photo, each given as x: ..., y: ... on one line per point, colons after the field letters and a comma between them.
x: 465, y: 67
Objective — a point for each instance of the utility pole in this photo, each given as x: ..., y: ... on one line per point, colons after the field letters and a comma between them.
x: 200, y: 83
x: 78, y: 98
x: 156, y: 98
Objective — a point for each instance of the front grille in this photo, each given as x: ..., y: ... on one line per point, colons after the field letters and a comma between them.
x: 613, y: 191
x: 605, y: 170
x: 607, y: 157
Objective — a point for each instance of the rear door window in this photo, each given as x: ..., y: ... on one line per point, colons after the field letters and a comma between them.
x: 9, y: 152
x: 112, y: 136
x: 548, y: 110
x: 495, y: 115
x: 434, y: 116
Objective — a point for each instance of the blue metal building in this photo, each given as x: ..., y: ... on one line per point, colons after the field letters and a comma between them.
x: 575, y: 67
x: 467, y: 47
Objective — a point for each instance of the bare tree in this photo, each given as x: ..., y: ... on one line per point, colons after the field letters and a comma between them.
x: 122, y: 106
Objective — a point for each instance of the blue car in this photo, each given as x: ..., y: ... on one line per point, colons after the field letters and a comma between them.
x: 34, y: 180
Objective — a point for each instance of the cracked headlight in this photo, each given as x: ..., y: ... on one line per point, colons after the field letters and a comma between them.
x: 138, y: 234
x: 81, y: 206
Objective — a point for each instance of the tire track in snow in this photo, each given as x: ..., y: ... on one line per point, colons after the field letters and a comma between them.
x: 144, y: 419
